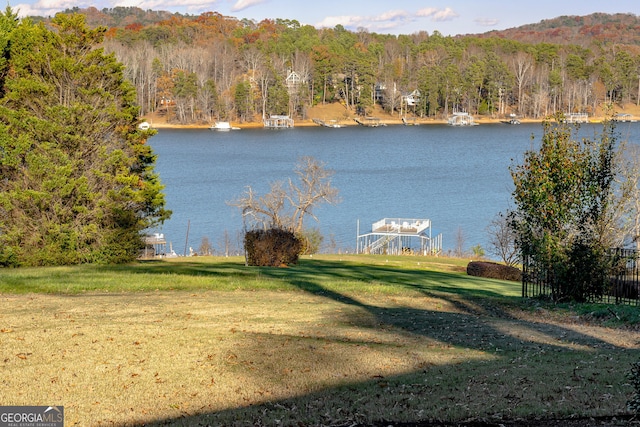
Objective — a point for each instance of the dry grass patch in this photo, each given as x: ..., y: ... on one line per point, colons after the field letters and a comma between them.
x: 253, y: 357
x: 116, y: 359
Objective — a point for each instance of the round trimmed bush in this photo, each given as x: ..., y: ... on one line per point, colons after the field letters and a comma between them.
x: 272, y: 248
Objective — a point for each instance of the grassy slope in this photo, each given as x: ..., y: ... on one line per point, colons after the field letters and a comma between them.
x: 334, y: 340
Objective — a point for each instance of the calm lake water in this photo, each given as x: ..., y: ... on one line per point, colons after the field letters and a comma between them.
x: 457, y: 177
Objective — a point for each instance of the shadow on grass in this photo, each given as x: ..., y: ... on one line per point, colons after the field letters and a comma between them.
x: 309, y: 274
x: 452, y: 392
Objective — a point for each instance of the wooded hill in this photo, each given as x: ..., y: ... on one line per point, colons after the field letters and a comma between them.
x: 619, y: 28
x: 197, y: 69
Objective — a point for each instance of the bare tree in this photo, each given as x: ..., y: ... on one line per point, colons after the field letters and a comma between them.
x: 502, y: 240
x: 205, y: 247
x: 522, y: 64
x: 460, y: 241
x: 225, y: 244
x: 138, y: 69
x: 287, y: 205
x: 623, y: 218
x: 304, y: 67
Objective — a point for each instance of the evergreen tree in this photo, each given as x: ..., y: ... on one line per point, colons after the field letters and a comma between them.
x: 278, y: 99
x: 77, y: 183
x: 8, y: 22
x: 243, y: 100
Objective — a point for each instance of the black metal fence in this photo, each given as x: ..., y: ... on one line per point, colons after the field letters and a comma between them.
x: 622, y: 287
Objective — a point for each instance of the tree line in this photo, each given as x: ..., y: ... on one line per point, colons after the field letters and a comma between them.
x: 215, y: 67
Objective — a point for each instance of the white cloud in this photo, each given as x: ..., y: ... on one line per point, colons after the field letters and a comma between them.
x: 388, y: 20
x: 128, y: 3
x: 385, y: 21
x: 392, y: 15
x: 438, y: 15
x: 426, y: 11
x: 46, y: 7
x: 23, y: 10
x: 345, y: 21
x: 486, y: 22
x: 243, y: 4
x: 56, y: 4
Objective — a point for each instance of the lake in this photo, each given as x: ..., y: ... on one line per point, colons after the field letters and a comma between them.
x: 458, y: 177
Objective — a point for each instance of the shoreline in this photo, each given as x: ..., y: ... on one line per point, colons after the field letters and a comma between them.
x: 338, y: 114
x: 162, y: 124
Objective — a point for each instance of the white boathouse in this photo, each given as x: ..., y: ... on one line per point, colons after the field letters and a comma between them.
x: 461, y: 118
x: 154, y: 246
x: 397, y: 236
x: 278, y: 122
x: 576, y: 118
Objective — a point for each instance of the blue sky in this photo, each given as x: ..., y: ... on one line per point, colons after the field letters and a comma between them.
x: 393, y: 17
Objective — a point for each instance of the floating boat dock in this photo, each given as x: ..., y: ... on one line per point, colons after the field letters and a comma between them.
x: 398, y: 236
x: 624, y: 118
x: 512, y: 120
x: 223, y: 127
x: 327, y: 124
x: 370, y: 122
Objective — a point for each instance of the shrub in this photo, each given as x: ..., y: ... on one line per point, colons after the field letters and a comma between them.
x: 493, y: 270
x: 272, y: 247
x: 583, y: 276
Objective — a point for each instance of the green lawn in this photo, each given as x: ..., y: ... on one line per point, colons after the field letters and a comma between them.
x: 393, y: 274
x: 335, y: 340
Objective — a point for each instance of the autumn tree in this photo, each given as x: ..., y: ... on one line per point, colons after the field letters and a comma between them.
x: 77, y: 183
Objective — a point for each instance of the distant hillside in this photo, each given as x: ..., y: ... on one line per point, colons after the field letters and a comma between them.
x: 621, y: 28
x: 121, y: 17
